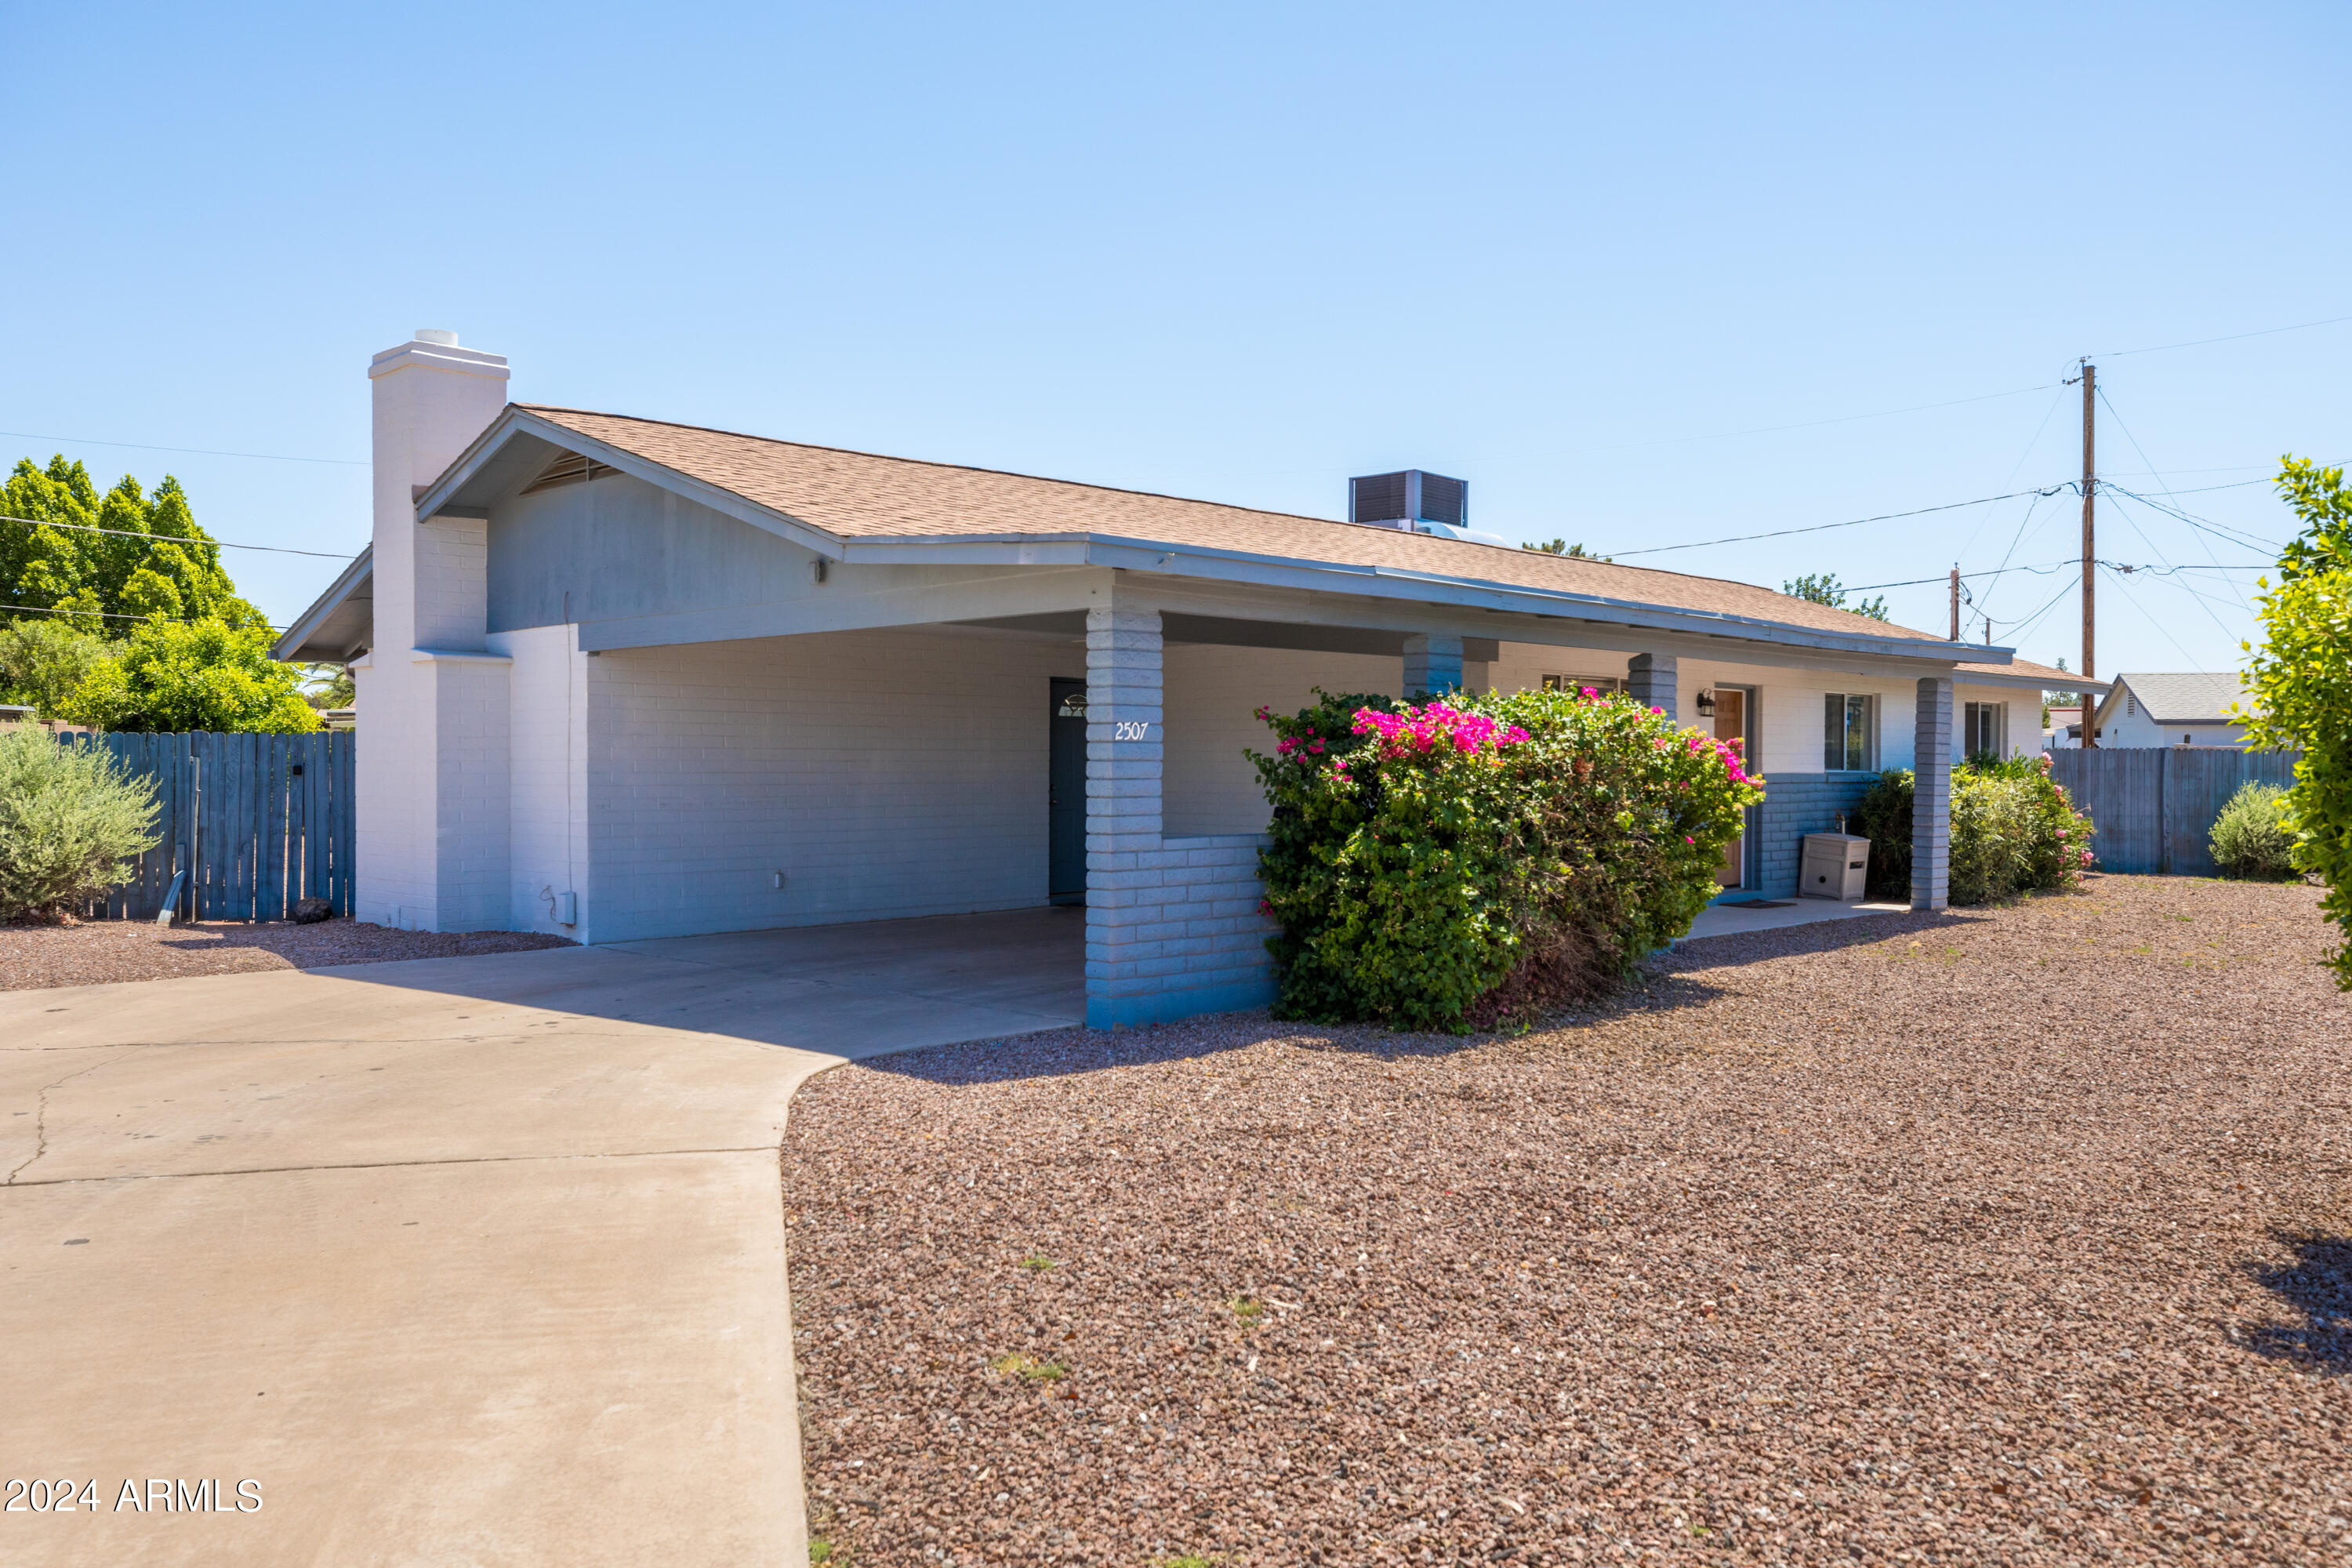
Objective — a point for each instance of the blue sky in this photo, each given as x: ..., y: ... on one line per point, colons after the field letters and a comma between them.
x: 1575, y: 254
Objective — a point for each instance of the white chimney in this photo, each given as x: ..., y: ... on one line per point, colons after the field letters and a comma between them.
x: 432, y: 398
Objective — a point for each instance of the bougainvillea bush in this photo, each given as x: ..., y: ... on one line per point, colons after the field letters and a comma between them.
x: 1448, y: 866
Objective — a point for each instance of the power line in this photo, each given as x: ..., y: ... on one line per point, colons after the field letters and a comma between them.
x: 2225, y: 532
x: 1850, y: 522
x: 174, y: 539
x: 1802, y: 425
x: 2233, y: 337
x: 108, y: 615
x: 192, y: 451
x: 2203, y: 543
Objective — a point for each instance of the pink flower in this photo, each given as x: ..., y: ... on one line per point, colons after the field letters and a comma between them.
x: 1688, y: 839
x: 1588, y: 691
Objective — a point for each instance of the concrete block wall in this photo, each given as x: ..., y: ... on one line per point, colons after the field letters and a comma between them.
x: 1796, y: 805
x: 452, y: 583
x: 470, y: 755
x: 1210, y: 701
x: 885, y: 774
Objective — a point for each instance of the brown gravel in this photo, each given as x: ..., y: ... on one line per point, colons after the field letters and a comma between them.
x: 95, y: 953
x: 2020, y: 1235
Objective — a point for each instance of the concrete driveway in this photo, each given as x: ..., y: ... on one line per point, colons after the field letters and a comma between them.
x: 471, y: 1260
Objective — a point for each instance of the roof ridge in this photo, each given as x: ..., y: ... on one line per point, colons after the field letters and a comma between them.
x: 1163, y: 495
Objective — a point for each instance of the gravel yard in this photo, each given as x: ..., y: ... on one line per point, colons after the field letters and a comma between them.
x: 2013, y: 1235
x: 94, y: 953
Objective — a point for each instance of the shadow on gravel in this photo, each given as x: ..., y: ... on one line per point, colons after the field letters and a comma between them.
x: 1825, y: 936
x: 1072, y: 1051
x: 2319, y: 1286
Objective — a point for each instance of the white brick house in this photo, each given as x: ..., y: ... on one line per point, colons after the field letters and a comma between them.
x: 621, y: 678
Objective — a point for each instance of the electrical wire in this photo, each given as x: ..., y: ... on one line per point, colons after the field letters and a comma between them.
x: 108, y: 615
x: 192, y: 451
x: 2203, y: 543
x: 2233, y: 337
x: 174, y: 539
x: 1850, y: 522
x: 2227, y: 531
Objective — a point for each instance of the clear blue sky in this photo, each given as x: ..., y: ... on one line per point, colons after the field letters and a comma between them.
x: 1567, y: 253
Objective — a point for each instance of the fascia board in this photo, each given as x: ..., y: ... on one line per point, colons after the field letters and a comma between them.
x: 517, y: 421
x: 877, y: 609
x: 2026, y: 682
x: 1389, y: 582
x: 307, y: 623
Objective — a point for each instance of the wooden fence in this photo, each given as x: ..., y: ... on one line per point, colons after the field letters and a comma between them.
x: 2154, y: 805
x: 256, y: 821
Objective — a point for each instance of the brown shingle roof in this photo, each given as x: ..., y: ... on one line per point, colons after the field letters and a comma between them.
x: 857, y: 495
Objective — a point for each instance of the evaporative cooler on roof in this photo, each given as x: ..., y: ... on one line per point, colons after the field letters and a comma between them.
x: 1407, y: 498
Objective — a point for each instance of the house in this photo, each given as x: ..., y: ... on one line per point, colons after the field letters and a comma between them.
x: 628, y: 678
x: 2063, y: 730
x: 2179, y: 709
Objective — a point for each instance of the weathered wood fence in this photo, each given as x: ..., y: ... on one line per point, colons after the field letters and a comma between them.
x: 256, y: 821
x: 2154, y: 805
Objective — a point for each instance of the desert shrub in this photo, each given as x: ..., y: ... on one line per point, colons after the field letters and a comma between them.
x: 70, y: 820
x: 2251, y: 838
x: 2013, y: 831
x: 1444, y: 865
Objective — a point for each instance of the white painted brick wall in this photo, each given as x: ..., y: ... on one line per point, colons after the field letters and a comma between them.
x: 470, y: 826
x: 451, y: 584
x: 887, y: 773
x: 1210, y: 706
x: 547, y: 768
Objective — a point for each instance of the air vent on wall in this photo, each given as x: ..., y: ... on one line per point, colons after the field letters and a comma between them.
x: 571, y: 468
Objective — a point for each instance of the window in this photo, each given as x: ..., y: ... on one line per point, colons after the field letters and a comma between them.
x: 1579, y: 682
x: 1849, y: 733
x: 1984, y: 728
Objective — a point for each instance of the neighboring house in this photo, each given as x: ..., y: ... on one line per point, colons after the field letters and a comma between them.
x: 625, y: 679
x: 2186, y: 710
x: 2063, y: 730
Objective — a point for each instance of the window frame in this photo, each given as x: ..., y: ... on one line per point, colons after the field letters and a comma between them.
x: 1606, y: 685
x: 1842, y: 740
x: 1970, y: 713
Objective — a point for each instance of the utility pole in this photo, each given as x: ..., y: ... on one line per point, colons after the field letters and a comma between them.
x: 2090, y: 549
x: 1956, y: 600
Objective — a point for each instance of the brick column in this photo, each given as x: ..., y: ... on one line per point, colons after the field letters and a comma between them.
x: 1433, y: 666
x: 1931, y: 797
x: 1124, y: 748
x: 1650, y: 680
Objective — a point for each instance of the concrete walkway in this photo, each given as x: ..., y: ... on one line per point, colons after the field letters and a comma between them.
x: 464, y: 1261
x: 1730, y: 920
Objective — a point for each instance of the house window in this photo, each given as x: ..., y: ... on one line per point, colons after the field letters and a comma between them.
x: 1984, y: 729
x: 1579, y: 682
x: 1849, y: 733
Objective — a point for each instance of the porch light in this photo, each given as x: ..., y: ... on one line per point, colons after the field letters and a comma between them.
x: 1706, y: 704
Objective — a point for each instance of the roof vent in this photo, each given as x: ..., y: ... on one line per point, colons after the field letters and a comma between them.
x: 447, y: 340
x: 1409, y: 499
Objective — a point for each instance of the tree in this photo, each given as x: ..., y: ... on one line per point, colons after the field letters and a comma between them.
x: 2302, y: 684
x: 42, y: 659
x: 101, y: 562
x: 1825, y: 589
x: 1562, y: 547
x: 172, y: 675
x: 328, y: 685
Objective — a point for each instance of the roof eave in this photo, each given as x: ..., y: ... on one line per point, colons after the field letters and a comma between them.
x: 289, y: 646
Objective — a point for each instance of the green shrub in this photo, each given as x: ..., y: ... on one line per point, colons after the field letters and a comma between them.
x: 70, y: 820
x: 2251, y: 838
x: 2013, y: 831
x: 1884, y: 817
x: 172, y: 675
x: 1445, y: 865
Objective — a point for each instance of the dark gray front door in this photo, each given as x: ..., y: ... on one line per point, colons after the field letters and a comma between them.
x: 1067, y: 799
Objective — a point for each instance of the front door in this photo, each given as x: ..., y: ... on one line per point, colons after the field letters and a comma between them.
x: 1066, y: 797
x: 1731, y: 728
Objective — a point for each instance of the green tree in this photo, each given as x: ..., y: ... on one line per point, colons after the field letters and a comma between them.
x: 172, y: 675
x: 328, y: 685
x: 1825, y: 589
x: 42, y: 659
x: 2301, y: 681
x: 103, y: 561
x: 1562, y: 547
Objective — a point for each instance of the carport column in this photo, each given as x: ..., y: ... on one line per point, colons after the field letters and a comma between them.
x: 1123, y: 815
x: 1650, y: 680
x: 1931, y: 797
x: 1433, y: 666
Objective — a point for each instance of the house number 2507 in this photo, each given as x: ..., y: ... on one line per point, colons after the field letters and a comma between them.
x: 1128, y: 729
